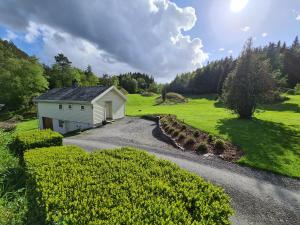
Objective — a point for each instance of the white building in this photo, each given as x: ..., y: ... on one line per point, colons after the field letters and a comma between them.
x: 77, y: 108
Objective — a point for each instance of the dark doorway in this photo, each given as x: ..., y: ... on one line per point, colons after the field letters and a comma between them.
x: 47, y: 123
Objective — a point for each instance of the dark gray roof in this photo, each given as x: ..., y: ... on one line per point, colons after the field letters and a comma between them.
x: 72, y: 93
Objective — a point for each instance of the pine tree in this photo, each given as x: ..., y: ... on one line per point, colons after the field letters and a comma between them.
x: 247, y: 83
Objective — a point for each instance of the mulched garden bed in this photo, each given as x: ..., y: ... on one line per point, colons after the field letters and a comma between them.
x: 191, y: 139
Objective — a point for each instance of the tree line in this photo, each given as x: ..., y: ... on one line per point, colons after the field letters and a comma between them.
x: 284, y: 63
x: 23, y: 77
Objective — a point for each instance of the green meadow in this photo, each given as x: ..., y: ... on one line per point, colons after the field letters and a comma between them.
x: 271, y: 141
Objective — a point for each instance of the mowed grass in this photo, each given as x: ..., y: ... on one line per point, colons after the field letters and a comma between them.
x: 271, y: 141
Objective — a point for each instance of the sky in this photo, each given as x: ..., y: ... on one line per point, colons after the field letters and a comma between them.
x: 159, y: 37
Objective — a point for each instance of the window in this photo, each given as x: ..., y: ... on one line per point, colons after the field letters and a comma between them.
x: 82, y: 108
x: 60, y: 106
x: 61, y: 124
x: 70, y: 107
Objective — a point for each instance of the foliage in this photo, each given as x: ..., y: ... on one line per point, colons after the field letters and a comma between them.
x: 201, y: 148
x: 35, y: 139
x: 62, y: 74
x: 284, y: 65
x: 271, y: 141
x: 122, y: 186
x: 297, y: 89
x: 21, y: 77
x: 247, y: 83
x: 129, y: 84
x: 13, y: 204
x: 219, y: 144
x: 189, y: 141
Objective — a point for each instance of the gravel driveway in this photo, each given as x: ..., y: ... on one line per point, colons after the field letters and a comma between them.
x: 258, y: 197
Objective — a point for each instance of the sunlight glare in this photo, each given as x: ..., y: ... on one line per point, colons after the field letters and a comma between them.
x: 238, y: 5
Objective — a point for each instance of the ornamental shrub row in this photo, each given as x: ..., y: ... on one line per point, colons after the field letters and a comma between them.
x: 35, y: 139
x: 121, y: 186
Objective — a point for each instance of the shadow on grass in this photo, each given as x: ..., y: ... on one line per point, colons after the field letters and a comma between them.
x: 281, y: 107
x: 211, y: 97
x: 263, y: 142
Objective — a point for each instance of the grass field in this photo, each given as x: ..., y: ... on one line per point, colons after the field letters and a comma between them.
x: 271, y: 141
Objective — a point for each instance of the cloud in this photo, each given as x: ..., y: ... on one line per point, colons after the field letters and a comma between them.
x: 221, y: 49
x: 298, y: 17
x: 10, y: 35
x: 264, y: 35
x: 145, y: 35
x: 246, y: 29
x: 230, y: 51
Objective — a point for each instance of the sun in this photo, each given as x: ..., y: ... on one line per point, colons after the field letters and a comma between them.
x: 238, y: 5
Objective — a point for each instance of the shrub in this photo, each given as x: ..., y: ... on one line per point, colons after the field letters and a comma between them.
x: 123, y: 186
x: 219, y: 144
x: 181, y: 136
x: 290, y: 92
x: 176, y: 133
x: 183, y: 127
x: 201, y: 148
x: 171, y: 130
x: 196, y: 133
x: 167, y: 128
x: 190, y: 141
x: 210, y: 138
x: 35, y: 139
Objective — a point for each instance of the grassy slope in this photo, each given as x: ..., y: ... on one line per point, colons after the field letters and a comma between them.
x: 12, y: 183
x: 271, y: 140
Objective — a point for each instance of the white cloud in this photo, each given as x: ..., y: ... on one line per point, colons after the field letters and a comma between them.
x: 298, y: 17
x: 10, y: 35
x: 33, y: 32
x: 246, y: 29
x: 221, y: 49
x: 230, y: 51
x: 264, y: 35
x: 145, y: 35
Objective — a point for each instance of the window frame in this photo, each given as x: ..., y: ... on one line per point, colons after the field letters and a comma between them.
x: 61, y: 123
x: 60, y: 107
x: 70, y: 106
x: 82, y: 108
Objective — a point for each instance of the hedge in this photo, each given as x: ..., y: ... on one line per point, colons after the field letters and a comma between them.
x: 121, y: 186
x: 35, y: 139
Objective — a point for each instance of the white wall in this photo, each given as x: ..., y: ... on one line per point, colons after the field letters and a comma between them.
x: 74, y: 118
x: 118, y: 104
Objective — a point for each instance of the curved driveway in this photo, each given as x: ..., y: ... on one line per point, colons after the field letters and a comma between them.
x: 258, y: 197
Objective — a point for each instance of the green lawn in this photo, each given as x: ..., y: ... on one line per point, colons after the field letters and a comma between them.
x: 271, y: 141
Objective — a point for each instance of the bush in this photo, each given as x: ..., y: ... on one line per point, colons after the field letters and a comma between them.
x: 219, y: 144
x: 147, y: 94
x: 210, y: 138
x: 196, y: 134
x: 35, y: 139
x: 171, y: 130
x: 190, y: 141
x: 176, y: 133
x: 290, y: 92
x: 183, y: 127
x: 123, y: 186
x: 181, y: 136
x: 201, y: 148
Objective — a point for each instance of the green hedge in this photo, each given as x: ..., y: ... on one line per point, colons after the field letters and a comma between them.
x: 35, y: 139
x: 122, y: 186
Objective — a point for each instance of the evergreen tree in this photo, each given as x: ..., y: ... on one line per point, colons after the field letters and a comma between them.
x: 247, y: 83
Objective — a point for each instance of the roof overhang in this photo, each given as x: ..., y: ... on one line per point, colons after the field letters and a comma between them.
x: 62, y: 101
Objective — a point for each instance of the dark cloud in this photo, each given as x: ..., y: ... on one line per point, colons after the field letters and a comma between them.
x: 145, y: 34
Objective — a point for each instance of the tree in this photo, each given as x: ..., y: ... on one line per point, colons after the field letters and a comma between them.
x: 163, y: 93
x: 247, y: 83
x: 130, y: 85
x: 20, y: 81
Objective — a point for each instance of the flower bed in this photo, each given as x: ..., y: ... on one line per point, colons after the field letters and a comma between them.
x: 188, y: 138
